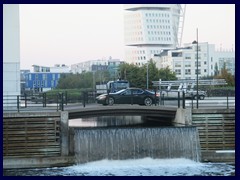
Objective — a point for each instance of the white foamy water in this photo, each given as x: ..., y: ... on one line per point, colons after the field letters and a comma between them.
x: 151, y: 167
x: 139, y: 167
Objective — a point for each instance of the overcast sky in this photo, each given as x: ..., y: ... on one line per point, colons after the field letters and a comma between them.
x: 69, y: 34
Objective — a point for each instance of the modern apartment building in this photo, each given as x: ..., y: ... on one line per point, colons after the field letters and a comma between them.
x: 150, y: 28
x: 183, y: 61
x: 110, y: 65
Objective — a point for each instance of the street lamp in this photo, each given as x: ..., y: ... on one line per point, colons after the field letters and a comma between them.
x: 147, y: 75
x: 197, y: 68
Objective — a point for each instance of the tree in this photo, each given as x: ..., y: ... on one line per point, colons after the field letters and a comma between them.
x: 216, y: 72
x: 137, y: 76
x: 227, y: 76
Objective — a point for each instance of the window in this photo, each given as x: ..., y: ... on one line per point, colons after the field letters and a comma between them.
x: 187, y: 64
x: 187, y: 56
x: 199, y: 64
x: 178, y: 71
x: 199, y: 71
x: 177, y: 64
x: 187, y: 71
x: 176, y: 54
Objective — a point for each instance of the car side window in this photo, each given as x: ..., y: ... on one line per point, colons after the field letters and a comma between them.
x: 137, y: 91
x: 127, y: 92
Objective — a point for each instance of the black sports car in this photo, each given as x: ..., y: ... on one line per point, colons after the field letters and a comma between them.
x: 128, y: 96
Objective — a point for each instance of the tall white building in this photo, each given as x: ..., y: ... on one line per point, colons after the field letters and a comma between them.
x: 11, y: 53
x: 150, y: 28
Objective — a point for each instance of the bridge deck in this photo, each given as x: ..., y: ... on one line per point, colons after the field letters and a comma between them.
x: 166, y: 112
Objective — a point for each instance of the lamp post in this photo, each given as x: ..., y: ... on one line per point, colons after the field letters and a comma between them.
x: 197, y: 68
x: 147, y: 75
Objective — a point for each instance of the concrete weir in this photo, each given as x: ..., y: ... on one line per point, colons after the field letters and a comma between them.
x: 44, y: 139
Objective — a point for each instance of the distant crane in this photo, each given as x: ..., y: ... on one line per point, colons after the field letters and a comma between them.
x: 181, y: 24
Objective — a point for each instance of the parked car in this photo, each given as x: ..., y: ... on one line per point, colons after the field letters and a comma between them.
x: 190, y: 94
x: 193, y: 94
x: 128, y: 96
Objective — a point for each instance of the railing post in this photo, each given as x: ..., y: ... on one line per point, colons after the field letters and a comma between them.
x: 66, y: 98
x: 192, y: 101
x: 44, y: 100
x: 18, y: 103
x: 227, y: 101
x: 155, y: 97
x: 183, y: 99
x: 57, y: 101
x: 62, y: 102
x: 163, y: 99
x: 84, y: 103
x: 25, y: 99
x: 178, y: 99
x: 131, y: 97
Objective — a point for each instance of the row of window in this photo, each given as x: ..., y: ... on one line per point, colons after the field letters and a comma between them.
x: 157, y: 15
x: 188, y: 71
x: 43, y: 76
x: 157, y: 27
x: 188, y: 64
x: 157, y: 20
x: 159, y: 38
x: 159, y: 33
x: 43, y: 83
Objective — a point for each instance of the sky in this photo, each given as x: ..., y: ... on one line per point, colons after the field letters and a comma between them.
x: 69, y: 34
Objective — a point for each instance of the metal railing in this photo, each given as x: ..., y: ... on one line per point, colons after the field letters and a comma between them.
x: 59, y: 101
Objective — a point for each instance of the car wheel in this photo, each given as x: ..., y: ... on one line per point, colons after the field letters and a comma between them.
x: 201, y: 97
x: 111, y: 101
x: 148, y: 101
x: 195, y: 97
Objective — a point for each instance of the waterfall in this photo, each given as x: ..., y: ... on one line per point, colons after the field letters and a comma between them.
x: 133, y: 143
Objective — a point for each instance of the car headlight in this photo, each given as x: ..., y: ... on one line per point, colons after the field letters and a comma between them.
x: 101, y: 97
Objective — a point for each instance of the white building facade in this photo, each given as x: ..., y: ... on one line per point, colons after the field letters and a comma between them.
x: 11, y: 52
x: 183, y: 61
x: 148, y: 29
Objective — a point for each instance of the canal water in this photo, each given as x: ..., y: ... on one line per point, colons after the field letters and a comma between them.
x: 132, y: 146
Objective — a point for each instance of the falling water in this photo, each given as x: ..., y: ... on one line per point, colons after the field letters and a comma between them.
x: 134, y: 143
